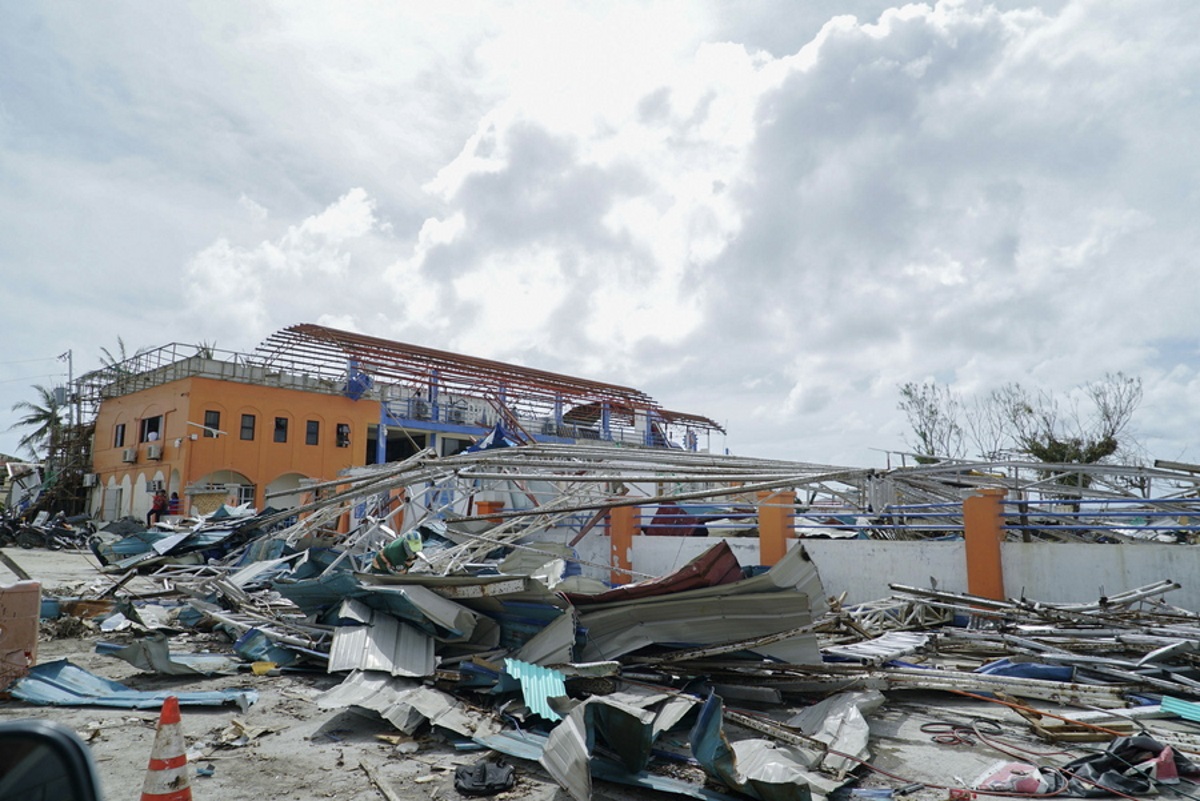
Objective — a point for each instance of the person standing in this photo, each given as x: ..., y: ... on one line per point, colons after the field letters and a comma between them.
x: 158, y: 508
x: 173, y: 505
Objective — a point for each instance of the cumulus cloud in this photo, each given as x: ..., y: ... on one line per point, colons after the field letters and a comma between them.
x: 767, y: 214
x: 937, y: 191
x: 311, y: 269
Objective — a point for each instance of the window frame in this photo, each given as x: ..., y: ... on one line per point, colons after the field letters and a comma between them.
x: 151, y: 425
x: 212, y: 422
x: 312, y: 432
x: 243, y: 428
x: 281, y: 430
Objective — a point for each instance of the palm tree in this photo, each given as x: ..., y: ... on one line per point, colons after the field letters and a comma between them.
x: 43, y: 416
x: 112, y: 362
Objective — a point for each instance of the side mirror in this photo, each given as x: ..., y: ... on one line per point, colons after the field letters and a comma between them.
x: 40, y: 759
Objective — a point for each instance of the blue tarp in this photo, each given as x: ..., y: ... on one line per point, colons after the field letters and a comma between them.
x: 357, y: 382
x: 497, y: 438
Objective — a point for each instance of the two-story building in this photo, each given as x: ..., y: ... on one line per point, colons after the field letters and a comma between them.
x: 310, y: 402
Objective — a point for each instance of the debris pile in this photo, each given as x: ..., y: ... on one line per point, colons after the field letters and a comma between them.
x: 450, y: 609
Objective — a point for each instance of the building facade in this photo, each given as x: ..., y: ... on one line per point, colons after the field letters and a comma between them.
x: 311, y: 402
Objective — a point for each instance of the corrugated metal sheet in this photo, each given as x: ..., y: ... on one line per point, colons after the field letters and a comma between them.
x: 385, y: 644
x: 456, y: 586
x: 62, y: 683
x: 538, y: 685
x: 889, y: 646
x: 531, y: 745
x: 715, y: 567
x: 554, y: 644
x: 453, y: 620
x: 1188, y: 710
x: 704, y: 620
x: 794, y: 572
x: 566, y: 756
x: 403, y: 702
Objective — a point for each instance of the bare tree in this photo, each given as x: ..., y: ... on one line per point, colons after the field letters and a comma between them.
x: 987, y: 427
x: 932, y: 411
x: 1047, y: 431
x: 1115, y: 398
x: 1034, y: 422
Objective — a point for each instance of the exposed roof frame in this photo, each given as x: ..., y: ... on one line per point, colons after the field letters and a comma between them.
x: 328, y: 350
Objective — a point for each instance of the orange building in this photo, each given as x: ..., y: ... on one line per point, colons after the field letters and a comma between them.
x: 311, y: 402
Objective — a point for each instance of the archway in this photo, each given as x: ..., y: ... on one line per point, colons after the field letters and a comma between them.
x: 219, y: 487
x: 293, y: 484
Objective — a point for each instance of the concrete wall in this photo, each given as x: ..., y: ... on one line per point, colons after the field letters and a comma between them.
x: 863, y: 569
x: 1051, y: 572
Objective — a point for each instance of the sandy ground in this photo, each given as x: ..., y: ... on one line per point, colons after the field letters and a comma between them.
x: 302, y: 753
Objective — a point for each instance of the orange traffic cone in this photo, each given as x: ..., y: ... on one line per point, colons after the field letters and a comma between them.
x: 167, y: 775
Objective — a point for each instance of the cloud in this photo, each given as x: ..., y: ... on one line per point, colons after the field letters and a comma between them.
x: 312, y: 269
x: 769, y: 214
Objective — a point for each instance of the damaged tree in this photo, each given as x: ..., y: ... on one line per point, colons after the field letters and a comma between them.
x: 1023, y: 420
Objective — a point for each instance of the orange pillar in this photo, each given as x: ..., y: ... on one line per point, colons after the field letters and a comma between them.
x: 343, y: 524
x: 490, y: 508
x: 396, y: 502
x: 622, y: 525
x: 774, y: 525
x: 983, y: 530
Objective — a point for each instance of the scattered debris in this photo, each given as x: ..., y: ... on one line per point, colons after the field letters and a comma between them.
x: 450, y: 595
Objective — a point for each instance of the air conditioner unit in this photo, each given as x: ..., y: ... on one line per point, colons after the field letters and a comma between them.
x: 154, y: 486
x: 89, y: 479
x: 456, y: 415
x: 129, y: 455
x: 154, y: 451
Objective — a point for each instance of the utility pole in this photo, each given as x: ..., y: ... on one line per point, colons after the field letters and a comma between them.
x: 68, y: 357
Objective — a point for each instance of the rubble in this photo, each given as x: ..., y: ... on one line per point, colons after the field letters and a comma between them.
x: 484, y: 625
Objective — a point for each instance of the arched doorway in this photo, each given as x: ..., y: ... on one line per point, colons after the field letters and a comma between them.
x: 219, y: 487
x: 294, y: 485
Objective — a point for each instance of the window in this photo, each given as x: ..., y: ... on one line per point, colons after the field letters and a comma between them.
x: 281, y: 424
x: 151, y: 429
x: 212, y: 423
x: 119, y: 435
x: 343, y: 435
x: 247, y: 426
x: 312, y: 432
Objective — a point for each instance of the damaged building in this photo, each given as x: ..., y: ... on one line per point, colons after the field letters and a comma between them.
x: 311, y: 402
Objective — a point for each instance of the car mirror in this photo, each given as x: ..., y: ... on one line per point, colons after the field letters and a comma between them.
x: 42, y: 760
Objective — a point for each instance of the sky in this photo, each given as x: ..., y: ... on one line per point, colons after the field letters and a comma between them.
x: 769, y: 213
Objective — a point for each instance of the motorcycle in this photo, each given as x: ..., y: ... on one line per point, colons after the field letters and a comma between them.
x: 54, y: 534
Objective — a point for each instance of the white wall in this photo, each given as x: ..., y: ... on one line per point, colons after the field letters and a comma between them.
x: 1041, y: 571
x: 863, y: 569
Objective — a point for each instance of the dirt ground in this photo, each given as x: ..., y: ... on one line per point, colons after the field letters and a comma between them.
x: 298, y: 751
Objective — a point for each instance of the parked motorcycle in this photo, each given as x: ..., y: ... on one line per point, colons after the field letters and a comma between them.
x: 9, y: 526
x: 54, y: 533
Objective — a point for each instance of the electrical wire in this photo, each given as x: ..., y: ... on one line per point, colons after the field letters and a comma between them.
x: 31, y: 377
x: 31, y: 361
